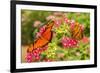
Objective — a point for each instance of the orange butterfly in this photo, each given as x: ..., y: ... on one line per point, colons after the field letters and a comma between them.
x: 44, y: 39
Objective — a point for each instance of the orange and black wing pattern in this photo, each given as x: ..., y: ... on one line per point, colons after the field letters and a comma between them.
x: 44, y: 38
x: 77, y: 33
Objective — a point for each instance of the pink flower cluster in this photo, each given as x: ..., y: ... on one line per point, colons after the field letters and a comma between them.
x: 36, y: 23
x: 72, y: 23
x: 57, y: 23
x: 69, y: 42
x: 66, y: 20
x: 35, y: 55
x: 29, y: 57
x: 85, y: 40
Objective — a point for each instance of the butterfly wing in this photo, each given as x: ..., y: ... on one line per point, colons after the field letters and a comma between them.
x: 77, y: 33
x: 37, y: 44
x: 40, y: 42
x: 48, y: 33
x: 44, y: 38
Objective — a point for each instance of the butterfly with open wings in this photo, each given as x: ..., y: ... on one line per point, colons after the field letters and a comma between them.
x: 44, y: 39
